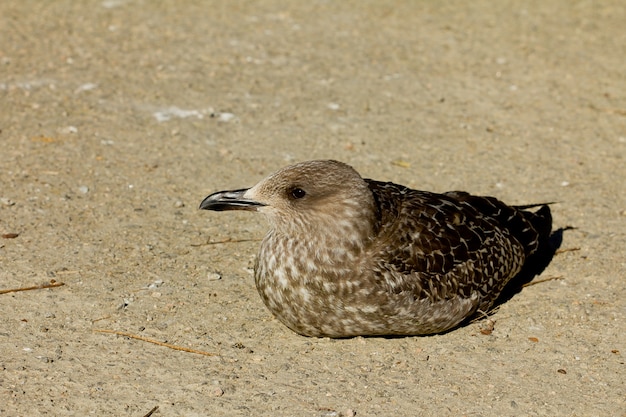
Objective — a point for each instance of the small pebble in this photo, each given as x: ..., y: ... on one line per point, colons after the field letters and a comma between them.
x: 156, y: 284
x: 86, y: 87
x: 213, y: 276
x: 179, y: 204
x: 217, y: 392
x: 226, y: 117
x: 83, y: 189
x: 7, y: 201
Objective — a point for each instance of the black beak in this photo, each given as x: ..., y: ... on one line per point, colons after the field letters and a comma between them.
x: 229, y: 200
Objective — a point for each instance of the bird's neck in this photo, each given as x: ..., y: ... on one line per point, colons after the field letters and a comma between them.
x: 324, y: 240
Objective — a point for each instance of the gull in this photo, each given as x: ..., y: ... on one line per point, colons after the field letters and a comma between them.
x: 348, y: 256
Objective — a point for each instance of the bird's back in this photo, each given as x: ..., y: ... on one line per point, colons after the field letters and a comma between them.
x: 452, y: 246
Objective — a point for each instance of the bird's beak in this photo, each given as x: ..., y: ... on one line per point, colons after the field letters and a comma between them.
x: 229, y: 200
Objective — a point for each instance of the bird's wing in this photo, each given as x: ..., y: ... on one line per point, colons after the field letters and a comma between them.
x: 440, y: 246
x: 530, y: 228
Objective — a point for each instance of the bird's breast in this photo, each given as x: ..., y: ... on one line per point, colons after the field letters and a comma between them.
x: 307, y: 285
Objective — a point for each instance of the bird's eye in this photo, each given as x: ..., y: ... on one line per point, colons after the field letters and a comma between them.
x: 297, y: 193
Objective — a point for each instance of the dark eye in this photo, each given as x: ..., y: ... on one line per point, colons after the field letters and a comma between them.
x: 297, y: 193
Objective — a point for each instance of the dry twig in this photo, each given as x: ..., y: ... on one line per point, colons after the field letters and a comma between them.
x: 100, y: 318
x: 566, y: 250
x: 152, y: 411
x: 539, y: 281
x: 227, y: 240
x: 52, y: 284
x: 156, y: 342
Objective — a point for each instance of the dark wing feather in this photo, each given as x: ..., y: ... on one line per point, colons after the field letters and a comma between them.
x: 440, y: 246
x: 529, y: 228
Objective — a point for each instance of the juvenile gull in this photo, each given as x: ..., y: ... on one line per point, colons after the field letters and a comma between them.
x: 347, y: 256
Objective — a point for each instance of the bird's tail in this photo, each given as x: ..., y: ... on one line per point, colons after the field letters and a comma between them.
x: 541, y: 222
x: 535, y: 234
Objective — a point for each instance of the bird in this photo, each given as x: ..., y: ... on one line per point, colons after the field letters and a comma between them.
x: 348, y: 256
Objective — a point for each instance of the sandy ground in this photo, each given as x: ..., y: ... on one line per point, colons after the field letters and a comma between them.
x: 117, y: 117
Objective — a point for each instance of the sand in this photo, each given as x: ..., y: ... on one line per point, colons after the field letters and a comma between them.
x: 117, y: 117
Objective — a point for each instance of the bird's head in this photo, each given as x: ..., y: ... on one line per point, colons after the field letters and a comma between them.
x: 305, y: 197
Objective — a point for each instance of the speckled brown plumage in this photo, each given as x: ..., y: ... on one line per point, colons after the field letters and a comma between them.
x: 348, y: 256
